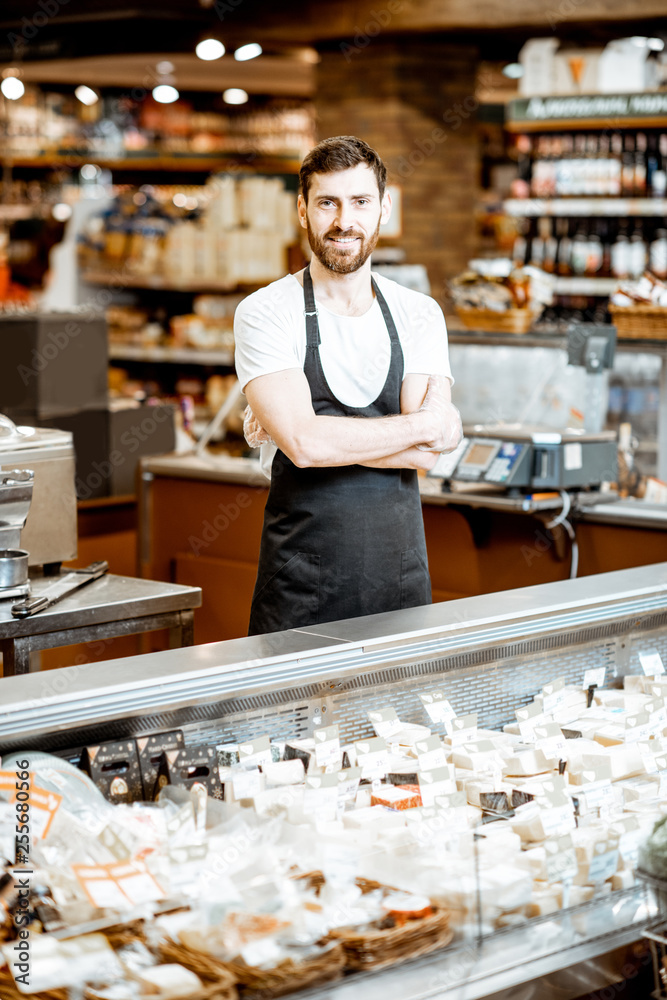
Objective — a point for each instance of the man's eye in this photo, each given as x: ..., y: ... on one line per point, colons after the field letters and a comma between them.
x: 362, y: 201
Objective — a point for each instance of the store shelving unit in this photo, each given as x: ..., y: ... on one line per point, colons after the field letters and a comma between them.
x: 157, y: 161
x: 588, y: 207
x: 171, y: 355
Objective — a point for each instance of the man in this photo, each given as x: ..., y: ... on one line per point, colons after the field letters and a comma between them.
x: 343, y: 533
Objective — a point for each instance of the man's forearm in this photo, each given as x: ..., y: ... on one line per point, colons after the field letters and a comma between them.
x: 336, y: 441
x: 411, y: 458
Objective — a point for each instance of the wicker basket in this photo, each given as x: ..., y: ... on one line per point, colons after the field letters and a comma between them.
x: 640, y: 322
x: 490, y: 321
x: 375, y: 949
x: 286, y: 977
x: 222, y: 989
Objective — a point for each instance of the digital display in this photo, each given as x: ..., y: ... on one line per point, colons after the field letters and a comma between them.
x: 479, y: 454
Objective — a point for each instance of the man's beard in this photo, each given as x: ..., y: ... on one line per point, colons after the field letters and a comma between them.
x: 336, y: 259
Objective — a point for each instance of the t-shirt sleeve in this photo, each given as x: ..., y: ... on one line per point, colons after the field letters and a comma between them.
x: 264, y: 339
x: 427, y: 352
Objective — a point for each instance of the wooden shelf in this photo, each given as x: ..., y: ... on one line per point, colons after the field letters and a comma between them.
x: 170, y: 355
x: 614, y: 207
x: 158, y: 282
x: 158, y: 161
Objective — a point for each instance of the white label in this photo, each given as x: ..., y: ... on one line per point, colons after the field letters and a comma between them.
x: 561, y: 859
x: 558, y: 819
x: 321, y: 796
x: 385, y: 722
x: 438, y: 708
x: 595, y: 796
x: 437, y: 782
x: 594, y: 677
x: 603, y: 865
x: 246, y: 784
x: 255, y: 752
x: 464, y: 729
x: 651, y: 663
x: 348, y: 785
x: 572, y: 455
x: 431, y: 753
x: 372, y: 757
x: 327, y: 746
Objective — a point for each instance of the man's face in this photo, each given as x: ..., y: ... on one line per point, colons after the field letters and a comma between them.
x: 343, y: 217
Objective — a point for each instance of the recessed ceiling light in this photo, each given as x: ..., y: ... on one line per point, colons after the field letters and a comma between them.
x: 234, y: 95
x: 513, y: 71
x: 12, y: 88
x: 249, y: 51
x: 86, y: 95
x: 164, y: 93
x: 61, y: 212
x: 209, y: 49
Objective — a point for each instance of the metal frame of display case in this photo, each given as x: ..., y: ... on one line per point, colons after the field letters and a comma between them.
x: 488, y: 654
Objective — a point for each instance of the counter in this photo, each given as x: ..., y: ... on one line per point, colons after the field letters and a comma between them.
x: 487, y: 654
x: 201, y: 519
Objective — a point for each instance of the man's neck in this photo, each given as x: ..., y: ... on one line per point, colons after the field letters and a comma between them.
x: 345, y: 294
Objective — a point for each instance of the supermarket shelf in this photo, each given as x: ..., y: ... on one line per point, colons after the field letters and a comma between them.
x: 553, y: 337
x: 13, y: 213
x: 170, y: 355
x: 617, y: 207
x: 577, y: 285
x: 158, y: 161
x: 120, y: 279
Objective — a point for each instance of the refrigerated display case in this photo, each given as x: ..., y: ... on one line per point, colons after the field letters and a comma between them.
x: 488, y: 654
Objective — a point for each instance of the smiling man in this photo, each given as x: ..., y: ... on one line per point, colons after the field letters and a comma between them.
x: 348, y: 383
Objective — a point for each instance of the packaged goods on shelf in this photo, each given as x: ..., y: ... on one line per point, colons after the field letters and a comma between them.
x: 232, y: 231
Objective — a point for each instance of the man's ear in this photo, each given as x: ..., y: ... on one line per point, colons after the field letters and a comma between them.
x: 301, y: 209
x: 386, y: 208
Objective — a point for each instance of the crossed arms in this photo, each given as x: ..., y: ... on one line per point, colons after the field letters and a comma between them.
x: 282, y: 411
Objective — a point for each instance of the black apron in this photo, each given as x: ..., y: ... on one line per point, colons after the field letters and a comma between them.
x: 346, y: 541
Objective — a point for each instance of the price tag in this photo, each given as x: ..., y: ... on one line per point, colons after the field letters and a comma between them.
x: 594, y: 677
x: 464, y: 729
x: 528, y: 717
x: 438, y: 708
x: 385, y: 722
x: 558, y: 819
x: 553, y: 696
x: 430, y: 753
x: 321, y: 796
x: 255, y: 752
x: 549, y: 738
x: 348, y: 784
x: 327, y: 746
x: 604, y: 863
x: 561, y: 859
x: 246, y: 784
x: 651, y: 663
x: 439, y: 781
x: 372, y: 757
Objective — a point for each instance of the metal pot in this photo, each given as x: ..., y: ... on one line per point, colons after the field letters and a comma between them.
x: 13, y: 567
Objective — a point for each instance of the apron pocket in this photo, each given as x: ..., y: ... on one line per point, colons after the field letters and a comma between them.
x: 291, y: 596
x: 415, y: 580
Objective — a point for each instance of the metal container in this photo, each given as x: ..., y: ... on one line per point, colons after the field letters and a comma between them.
x: 13, y: 567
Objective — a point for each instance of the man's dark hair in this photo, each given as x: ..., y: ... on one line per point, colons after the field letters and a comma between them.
x: 340, y: 153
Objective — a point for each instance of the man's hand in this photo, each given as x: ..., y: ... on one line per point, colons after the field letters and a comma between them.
x: 253, y: 431
x: 446, y: 418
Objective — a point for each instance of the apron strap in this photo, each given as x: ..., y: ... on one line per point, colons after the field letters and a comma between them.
x: 312, y: 326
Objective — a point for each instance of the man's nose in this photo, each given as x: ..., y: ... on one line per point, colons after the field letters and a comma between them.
x: 344, y: 216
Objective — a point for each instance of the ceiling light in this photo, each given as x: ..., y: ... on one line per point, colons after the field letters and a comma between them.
x: 12, y: 88
x: 61, y: 212
x: 234, y: 95
x: 165, y: 67
x: 164, y: 93
x: 86, y: 95
x: 209, y: 49
x: 249, y: 51
x: 513, y: 71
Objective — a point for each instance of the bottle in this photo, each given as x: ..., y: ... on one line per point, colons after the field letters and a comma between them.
x: 640, y: 166
x: 537, y: 245
x: 615, y: 167
x: 550, y: 248
x: 564, y: 257
x: 524, y: 147
x: 605, y: 267
x: 658, y: 255
x: 520, y: 246
x: 652, y: 162
x: 603, y: 164
x: 580, y: 250
x: 638, y: 252
x: 595, y: 254
x: 590, y: 179
x: 579, y: 163
x: 564, y: 168
x: 659, y: 181
x: 628, y: 167
x: 620, y: 255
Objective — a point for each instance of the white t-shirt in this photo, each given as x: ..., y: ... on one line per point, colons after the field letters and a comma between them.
x: 355, y: 351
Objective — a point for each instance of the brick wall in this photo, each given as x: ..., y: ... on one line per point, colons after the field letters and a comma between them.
x: 413, y: 100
